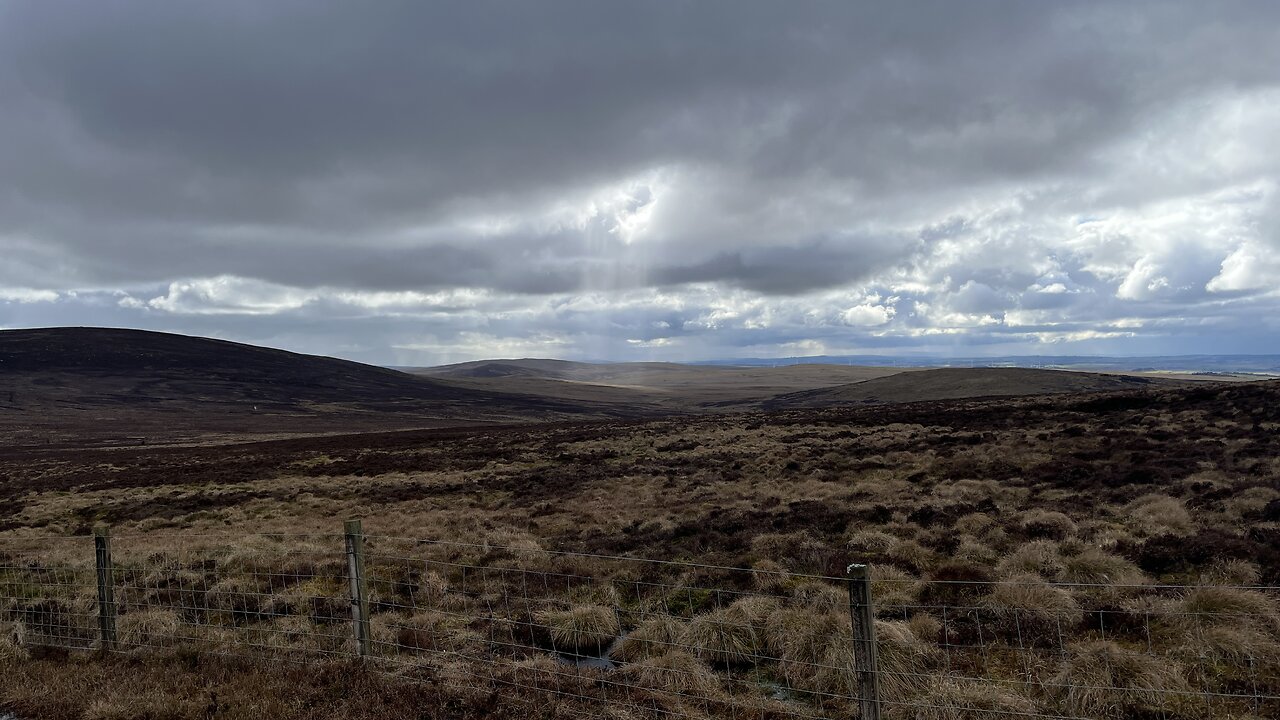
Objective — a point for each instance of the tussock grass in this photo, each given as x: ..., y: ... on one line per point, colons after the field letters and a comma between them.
x: 893, y: 589
x: 1102, y: 679
x: 945, y: 698
x: 150, y: 628
x: 580, y: 629
x: 655, y: 636
x: 1031, y: 611
x: 1048, y: 524
x: 12, y: 641
x: 236, y: 594
x: 1041, y: 557
x: 675, y: 671
x: 1153, y: 514
x: 1096, y: 566
x: 735, y: 635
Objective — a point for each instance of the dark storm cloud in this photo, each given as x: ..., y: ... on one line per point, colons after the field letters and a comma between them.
x: 858, y: 152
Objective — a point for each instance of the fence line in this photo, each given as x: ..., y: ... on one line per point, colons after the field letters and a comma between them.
x: 658, y: 638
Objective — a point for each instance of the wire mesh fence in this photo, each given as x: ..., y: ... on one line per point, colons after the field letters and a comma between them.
x: 648, y: 638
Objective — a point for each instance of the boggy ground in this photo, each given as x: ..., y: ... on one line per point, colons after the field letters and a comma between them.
x: 1124, y: 489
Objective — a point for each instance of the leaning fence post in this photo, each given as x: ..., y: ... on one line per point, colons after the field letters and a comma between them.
x: 106, y: 588
x: 865, y: 661
x: 359, y: 591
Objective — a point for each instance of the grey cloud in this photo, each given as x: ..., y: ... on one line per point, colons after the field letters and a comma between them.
x: 780, y: 150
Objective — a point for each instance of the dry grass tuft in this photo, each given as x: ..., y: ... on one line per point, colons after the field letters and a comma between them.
x: 818, y: 597
x: 675, y: 672
x: 945, y: 698
x: 655, y: 636
x: 1033, y: 611
x: 1095, y: 566
x: 1152, y: 515
x: 150, y: 628
x: 1049, y: 524
x: 1102, y: 679
x: 1041, y: 557
x: 12, y: 641
x: 580, y: 629
x: 735, y: 635
x: 893, y: 589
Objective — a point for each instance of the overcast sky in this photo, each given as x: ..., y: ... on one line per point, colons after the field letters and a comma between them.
x: 417, y: 183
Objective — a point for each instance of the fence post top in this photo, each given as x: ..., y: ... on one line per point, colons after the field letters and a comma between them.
x: 856, y: 569
x: 102, y: 531
x: 352, y: 525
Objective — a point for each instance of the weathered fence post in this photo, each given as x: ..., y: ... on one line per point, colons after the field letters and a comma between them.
x: 106, y: 588
x: 865, y: 660
x: 359, y: 591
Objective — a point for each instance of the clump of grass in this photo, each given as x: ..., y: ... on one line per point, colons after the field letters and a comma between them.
x: 911, y: 555
x: 974, y: 523
x: 12, y: 641
x: 1040, y: 557
x: 817, y: 596
x: 1232, y: 572
x: 893, y: 589
x: 580, y: 629
x: 769, y: 576
x: 735, y: 635
x: 871, y: 542
x: 677, y: 672
x: 655, y: 636
x: 1095, y: 566
x: 974, y: 551
x: 157, y: 627
x: 235, y: 594
x: 1153, y: 514
x: 945, y: 698
x: 1033, y: 611
x: 1102, y: 679
x: 815, y: 653
x: 1048, y: 524
x: 1227, y: 607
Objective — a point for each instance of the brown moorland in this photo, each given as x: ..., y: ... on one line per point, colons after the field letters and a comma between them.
x: 1068, y: 504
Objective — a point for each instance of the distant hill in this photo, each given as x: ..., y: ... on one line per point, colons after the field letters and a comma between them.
x: 959, y: 383
x: 96, y: 382
x: 672, y: 387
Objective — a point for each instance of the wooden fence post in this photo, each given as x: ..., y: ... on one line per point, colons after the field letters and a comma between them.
x: 359, y: 591
x: 866, y: 662
x: 106, y: 588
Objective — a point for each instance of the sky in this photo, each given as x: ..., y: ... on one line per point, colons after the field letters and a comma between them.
x: 411, y: 183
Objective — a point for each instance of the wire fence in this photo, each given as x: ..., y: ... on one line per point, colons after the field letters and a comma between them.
x: 647, y: 638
